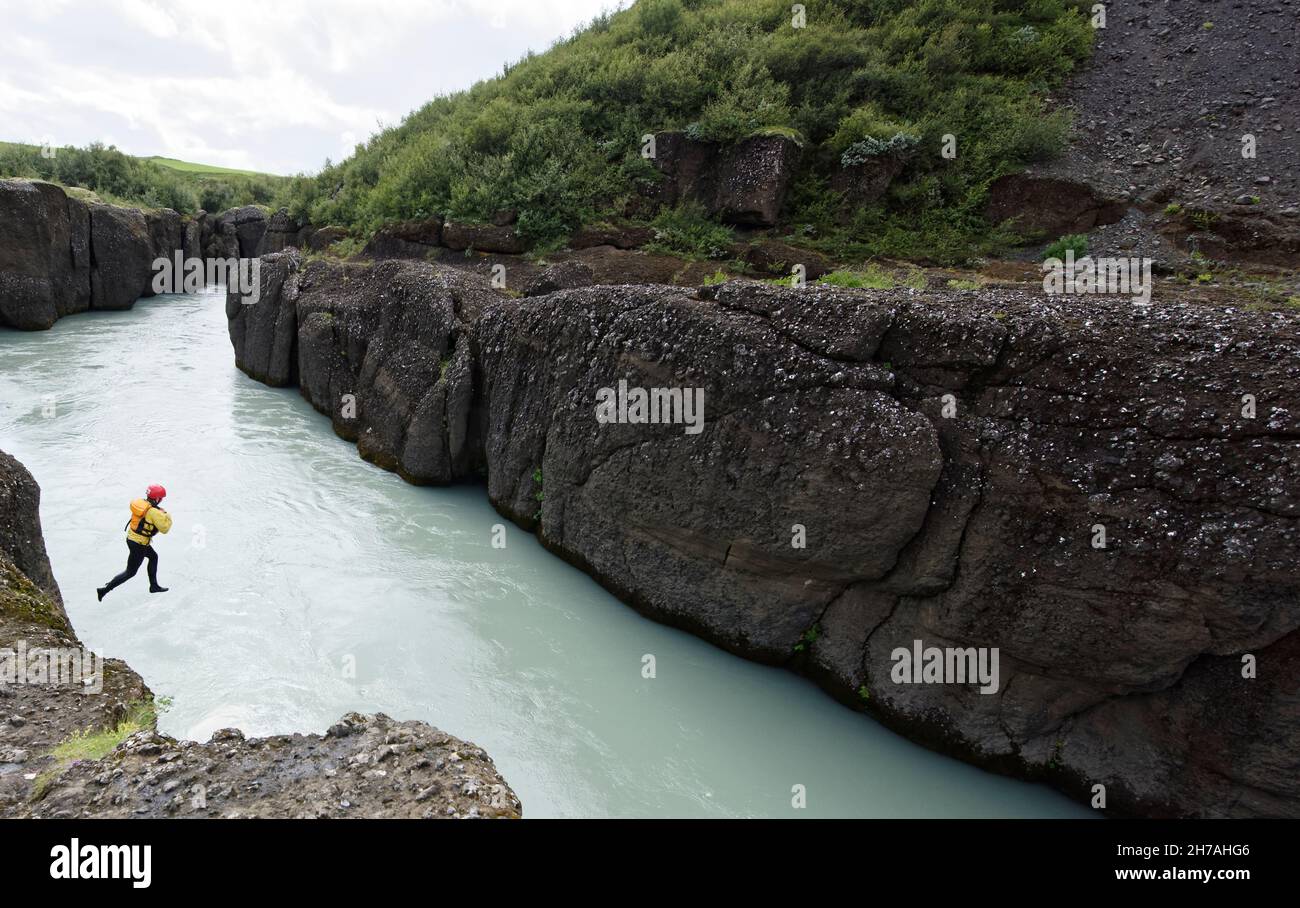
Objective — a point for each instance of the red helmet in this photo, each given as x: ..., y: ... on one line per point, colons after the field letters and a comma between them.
x: 155, y: 493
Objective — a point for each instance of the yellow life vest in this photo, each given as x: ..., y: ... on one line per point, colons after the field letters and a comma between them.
x: 137, y: 528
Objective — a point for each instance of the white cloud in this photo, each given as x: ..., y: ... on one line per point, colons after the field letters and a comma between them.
x: 262, y: 84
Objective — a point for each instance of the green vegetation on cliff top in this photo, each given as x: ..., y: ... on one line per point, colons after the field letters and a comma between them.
x: 557, y: 136
x: 149, y: 182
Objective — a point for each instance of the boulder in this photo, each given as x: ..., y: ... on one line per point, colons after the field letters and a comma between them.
x: 686, y: 166
x: 1052, y: 206
x: 561, y: 276
x: 743, y: 184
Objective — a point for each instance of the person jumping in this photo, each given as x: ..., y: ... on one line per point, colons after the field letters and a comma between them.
x: 147, y: 520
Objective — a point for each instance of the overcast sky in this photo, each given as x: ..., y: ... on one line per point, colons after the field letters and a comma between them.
x: 269, y: 85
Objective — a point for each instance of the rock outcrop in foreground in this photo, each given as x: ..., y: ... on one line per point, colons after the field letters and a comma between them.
x: 1083, y: 485
x: 364, y: 766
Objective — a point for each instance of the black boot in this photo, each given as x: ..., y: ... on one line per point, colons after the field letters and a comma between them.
x: 102, y: 592
x: 158, y: 589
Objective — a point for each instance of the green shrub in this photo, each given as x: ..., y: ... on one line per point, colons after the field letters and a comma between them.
x: 1078, y: 242
x: 687, y: 231
x: 97, y: 743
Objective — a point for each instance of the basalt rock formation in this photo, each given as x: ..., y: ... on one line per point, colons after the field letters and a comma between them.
x: 59, y: 255
x: 42, y: 276
x: 363, y: 766
x: 1075, y: 482
x: 742, y: 184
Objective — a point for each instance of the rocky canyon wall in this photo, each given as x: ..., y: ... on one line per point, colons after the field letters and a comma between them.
x: 1075, y: 483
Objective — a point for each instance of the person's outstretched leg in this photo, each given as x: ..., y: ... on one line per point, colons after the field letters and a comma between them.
x: 153, y: 570
x: 135, y: 555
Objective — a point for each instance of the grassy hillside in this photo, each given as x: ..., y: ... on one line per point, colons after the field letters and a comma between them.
x: 190, y: 167
x: 557, y: 135
x: 152, y: 182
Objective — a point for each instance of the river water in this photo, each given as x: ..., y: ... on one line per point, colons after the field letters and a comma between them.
x: 306, y: 583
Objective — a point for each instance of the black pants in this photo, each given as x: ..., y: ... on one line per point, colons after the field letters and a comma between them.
x: 138, y: 553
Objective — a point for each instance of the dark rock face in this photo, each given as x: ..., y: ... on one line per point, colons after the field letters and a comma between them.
x: 1050, y: 204
x: 166, y: 235
x: 867, y: 182
x: 220, y: 239
x: 1245, y: 235
x: 281, y: 233
x: 249, y: 224
x: 21, y: 541
x: 404, y: 240
x: 265, y: 335
x: 687, y: 168
x: 44, y: 255
x: 381, y: 350
x: 644, y: 506
x: 775, y: 257
x: 122, y: 250
x: 949, y: 465
x: 192, y: 241
x: 364, y: 766
x: 60, y: 256
x: 753, y: 176
x: 482, y: 238
x: 742, y: 184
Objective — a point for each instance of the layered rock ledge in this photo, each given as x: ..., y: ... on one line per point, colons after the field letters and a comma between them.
x: 951, y: 458
x: 363, y: 766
